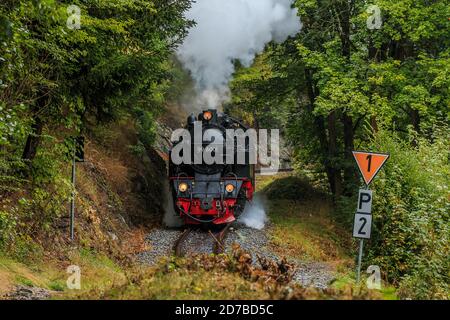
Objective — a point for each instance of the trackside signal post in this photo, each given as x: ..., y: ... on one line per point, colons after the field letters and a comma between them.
x: 77, y: 156
x: 369, y: 164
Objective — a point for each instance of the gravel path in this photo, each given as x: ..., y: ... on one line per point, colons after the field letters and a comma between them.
x: 198, y: 242
x: 254, y: 241
x: 161, y: 242
x: 22, y: 292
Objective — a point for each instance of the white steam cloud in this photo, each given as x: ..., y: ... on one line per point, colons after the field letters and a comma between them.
x: 254, y: 215
x: 229, y: 30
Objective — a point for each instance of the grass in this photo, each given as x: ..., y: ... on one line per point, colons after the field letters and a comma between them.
x: 301, y: 220
x: 347, y: 280
x: 184, y: 285
x: 305, y: 231
x: 301, y: 227
x: 57, y: 285
x: 97, y: 271
x: 14, y: 273
x: 24, y: 281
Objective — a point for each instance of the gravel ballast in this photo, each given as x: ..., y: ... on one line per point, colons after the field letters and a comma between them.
x: 162, y: 241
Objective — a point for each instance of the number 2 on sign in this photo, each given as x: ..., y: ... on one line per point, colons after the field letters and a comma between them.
x: 362, y: 226
x: 361, y: 229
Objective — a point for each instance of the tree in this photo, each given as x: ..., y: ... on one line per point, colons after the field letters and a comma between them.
x: 343, y: 79
x: 348, y: 86
x: 70, y: 77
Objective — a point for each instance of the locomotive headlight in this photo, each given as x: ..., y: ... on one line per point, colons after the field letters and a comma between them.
x: 207, y: 115
x: 182, y: 187
x: 229, y: 188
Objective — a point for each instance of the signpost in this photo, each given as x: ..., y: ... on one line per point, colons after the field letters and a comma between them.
x: 72, y: 201
x: 78, y: 156
x: 369, y: 164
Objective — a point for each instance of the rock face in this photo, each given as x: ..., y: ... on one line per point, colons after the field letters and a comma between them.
x: 162, y: 142
x: 22, y: 292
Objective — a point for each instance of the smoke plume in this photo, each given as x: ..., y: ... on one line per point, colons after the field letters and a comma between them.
x: 254, y: 215
x: 229, y: 30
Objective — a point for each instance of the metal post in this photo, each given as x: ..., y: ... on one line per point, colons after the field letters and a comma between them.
x: 72, y: 202
x: 358, y: 272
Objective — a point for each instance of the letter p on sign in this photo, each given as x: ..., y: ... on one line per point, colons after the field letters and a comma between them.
x: 365, y: 201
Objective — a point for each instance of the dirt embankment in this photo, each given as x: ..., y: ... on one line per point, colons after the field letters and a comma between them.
x: 119, y: 198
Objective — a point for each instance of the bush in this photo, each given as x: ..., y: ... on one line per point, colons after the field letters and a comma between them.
x: 7, y: 227
x: 292, y: 188
x: 146, y: 127
x: 37, y: 203
x: 410, y: 234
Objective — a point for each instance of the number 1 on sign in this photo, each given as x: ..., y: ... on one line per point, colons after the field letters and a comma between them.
x: 369, y: 159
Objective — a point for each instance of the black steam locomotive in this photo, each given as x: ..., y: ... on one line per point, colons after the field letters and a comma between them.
x: 206, y: 191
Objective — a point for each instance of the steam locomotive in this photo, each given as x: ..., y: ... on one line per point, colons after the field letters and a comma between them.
x: 206, y: 192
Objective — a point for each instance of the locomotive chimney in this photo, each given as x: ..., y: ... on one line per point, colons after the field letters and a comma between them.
x: 191, y: 119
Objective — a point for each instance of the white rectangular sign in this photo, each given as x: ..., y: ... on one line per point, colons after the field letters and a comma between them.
x: 362, y: 226
x: 364, y: 201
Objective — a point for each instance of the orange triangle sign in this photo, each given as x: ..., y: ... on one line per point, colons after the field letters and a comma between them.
x: 369, y: 163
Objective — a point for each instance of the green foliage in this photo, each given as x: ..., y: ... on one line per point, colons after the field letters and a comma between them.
x: 58, y: 82
x: 411, y: 215
x: 10, y: 133
x: 292, y: 188
x: 8, y: 223
x: 263, y: 93
x: 146, y: 127
x: 24, y: 281
x: 57, y: 285
x: 337, y: 86
x: 138, y: 149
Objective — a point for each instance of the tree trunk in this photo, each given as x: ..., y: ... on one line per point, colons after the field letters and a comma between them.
x: 327, y: 148
x: 415, y: 119
x: 349, y: 172
x: 333, y: 170
x: 319, y: 123
x: 33, y: 140
x: 350, y: 175
x: 373, y: 57
x: 345, y: 33
x: 374, y: 124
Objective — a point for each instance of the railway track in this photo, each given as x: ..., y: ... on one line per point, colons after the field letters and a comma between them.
x: 218, y: 240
